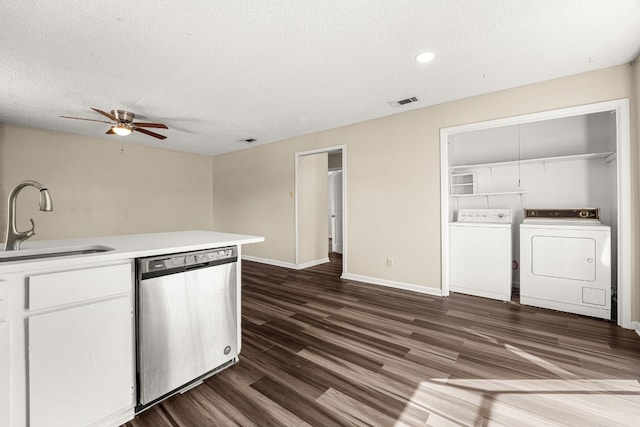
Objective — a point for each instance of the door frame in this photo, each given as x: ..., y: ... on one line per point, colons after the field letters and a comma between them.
x: 298, y: 155
x: 333, y: 171
x: 623, y: 164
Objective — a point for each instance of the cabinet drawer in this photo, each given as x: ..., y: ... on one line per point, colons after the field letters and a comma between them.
x: 67, y: 287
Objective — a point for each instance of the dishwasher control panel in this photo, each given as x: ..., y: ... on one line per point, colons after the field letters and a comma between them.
x: 188, y: 259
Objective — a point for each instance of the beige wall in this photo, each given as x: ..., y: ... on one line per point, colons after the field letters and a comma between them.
x: 97, y: 190
x: 393, y: 177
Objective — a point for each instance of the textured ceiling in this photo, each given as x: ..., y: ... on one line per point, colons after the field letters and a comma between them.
x: 217, y: 72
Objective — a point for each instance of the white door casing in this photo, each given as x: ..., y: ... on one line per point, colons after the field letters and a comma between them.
x: 335, y: 209
x: 298, y: 155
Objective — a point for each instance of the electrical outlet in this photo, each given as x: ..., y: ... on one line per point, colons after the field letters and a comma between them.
x: 389, y: 262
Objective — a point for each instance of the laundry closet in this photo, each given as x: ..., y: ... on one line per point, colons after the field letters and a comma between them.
x: 555, y: 167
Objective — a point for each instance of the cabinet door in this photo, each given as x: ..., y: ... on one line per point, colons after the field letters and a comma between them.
x: 80, y: 364
x: 5, y: 361
x: 5, y: 395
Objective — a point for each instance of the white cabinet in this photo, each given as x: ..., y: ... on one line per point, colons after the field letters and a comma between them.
x: 5, y: 361
x: 80, y: 366
x: 5, y: 394
x: 79, y: 336
x: 67, y: 346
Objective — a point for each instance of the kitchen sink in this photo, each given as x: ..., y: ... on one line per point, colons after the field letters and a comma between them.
x: 36, y: 254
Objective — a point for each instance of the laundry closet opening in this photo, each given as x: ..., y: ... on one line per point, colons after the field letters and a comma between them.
x: 534, y: 210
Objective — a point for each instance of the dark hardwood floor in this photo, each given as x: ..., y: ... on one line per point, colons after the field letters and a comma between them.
x: 321, y: 351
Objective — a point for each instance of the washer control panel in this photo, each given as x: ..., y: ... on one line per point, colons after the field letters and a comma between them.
x: 498, y: 216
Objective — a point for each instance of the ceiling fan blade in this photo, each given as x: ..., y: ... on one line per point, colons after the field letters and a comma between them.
x: 80, y: 118
x: 104, y: 113
x: 151, y: 125
x: 110, y: 132
x: 148, y: 132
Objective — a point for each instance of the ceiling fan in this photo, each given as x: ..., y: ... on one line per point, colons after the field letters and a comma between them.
x: 123, y: 124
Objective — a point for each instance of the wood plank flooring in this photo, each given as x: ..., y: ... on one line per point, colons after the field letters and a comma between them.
x: 321, y: 351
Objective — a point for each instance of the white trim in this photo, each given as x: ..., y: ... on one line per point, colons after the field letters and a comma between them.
x: 296, y: 255
x: 393, y: 284
x: 536, y: 117
x: 623, y: 159
x: 312, y: 263
x: 636, y: 326
x: 444, y: 210
x: 343, y: 149
x: 284, y: 264
x: 273, y: 262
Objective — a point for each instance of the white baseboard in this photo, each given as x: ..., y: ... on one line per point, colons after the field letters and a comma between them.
x: 394, y: 284
x: 284, y: 264
x: 274, y: 262
x: 347, y: 276
x: 636, y: 326
x: 312, y: 263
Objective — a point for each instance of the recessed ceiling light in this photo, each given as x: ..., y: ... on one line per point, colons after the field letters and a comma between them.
x: 425, y: 57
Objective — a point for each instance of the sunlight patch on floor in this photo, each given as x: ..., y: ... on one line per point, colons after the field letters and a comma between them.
x: 562, y: 399
x: 528, y: 402
x: 562, y: 373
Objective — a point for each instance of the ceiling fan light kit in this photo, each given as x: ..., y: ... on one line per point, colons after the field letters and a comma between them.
x: 121, y: 129
x: 123, y: 124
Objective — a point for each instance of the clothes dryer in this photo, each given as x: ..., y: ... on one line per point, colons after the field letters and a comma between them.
x: 565, y: 262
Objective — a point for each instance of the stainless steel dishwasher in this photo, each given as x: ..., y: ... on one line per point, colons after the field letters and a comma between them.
x: 188, y: 320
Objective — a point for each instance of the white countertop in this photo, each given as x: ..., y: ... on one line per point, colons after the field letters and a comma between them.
x: 124, y: 247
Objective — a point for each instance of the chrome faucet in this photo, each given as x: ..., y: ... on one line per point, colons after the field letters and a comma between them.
x: 15, y: 237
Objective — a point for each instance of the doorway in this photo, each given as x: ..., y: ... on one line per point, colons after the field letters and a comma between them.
x: 334, y: 204
x: 320, y: 206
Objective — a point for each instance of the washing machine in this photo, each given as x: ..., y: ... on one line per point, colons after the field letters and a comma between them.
x: 565, y: 261
x: 480, y: 253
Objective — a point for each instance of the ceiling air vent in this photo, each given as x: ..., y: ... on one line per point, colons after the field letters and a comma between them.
x: 408, y: 100
x: 403, y: 102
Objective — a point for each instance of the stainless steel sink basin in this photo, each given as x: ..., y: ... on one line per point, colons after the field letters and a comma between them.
x: 35, y: 254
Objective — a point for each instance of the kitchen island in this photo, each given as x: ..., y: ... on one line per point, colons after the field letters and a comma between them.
x: 67, y: 325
